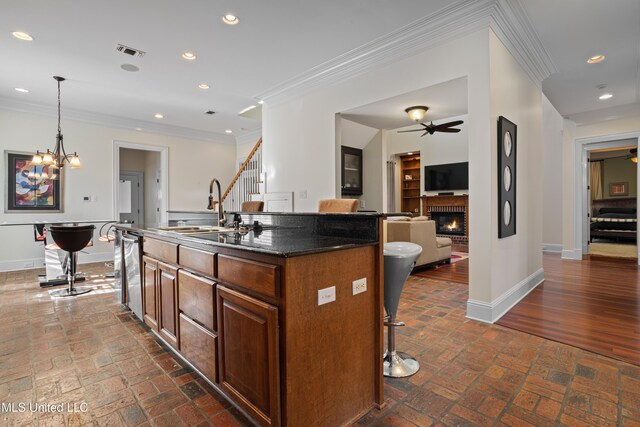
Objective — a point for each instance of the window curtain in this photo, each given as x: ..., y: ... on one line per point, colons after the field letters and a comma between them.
x: 595, y: 180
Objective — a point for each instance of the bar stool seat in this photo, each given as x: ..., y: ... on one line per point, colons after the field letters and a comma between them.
x: 71, y: 239
x: 399, y: 260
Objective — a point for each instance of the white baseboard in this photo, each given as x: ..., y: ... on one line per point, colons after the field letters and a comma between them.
x: 552, y: 247
x: 491, y: 312
x: 31, y: 263
x: 572, y: 254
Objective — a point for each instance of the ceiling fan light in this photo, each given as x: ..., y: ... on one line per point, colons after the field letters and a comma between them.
x: 416, y: 113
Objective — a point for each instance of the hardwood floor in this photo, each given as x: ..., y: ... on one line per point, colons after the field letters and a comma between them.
x: 593, y: 304
x: 457, y: 272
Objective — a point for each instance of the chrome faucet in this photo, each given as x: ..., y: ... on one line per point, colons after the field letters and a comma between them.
x: 222, y: 220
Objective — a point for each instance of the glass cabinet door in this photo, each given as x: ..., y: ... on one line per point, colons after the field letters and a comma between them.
x: 351, y: 171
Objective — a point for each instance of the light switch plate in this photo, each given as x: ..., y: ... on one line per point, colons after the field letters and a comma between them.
x: 359, y: 286
x: 326, y: 295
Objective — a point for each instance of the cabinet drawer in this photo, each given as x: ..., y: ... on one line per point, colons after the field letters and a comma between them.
x: 199, y: 261
x: 196, y: 299
x: 254, y: 275
x: 164, y: 251
x: 198, y: 346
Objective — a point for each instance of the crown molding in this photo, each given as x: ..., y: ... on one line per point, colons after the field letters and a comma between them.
x: 114, y: 121
x: 508, y: 19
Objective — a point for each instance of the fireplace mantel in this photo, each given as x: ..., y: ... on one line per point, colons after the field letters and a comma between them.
x: 456, y: 203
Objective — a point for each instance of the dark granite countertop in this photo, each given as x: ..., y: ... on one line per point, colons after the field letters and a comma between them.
x: 284, y: 235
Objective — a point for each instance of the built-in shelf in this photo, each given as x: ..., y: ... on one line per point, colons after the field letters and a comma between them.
x: 410, y: 193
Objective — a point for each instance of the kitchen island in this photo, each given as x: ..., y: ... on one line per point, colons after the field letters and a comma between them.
x: 283, y: 317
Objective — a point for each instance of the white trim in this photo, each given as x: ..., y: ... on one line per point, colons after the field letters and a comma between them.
x: 580, y: 196
x: 575, y: 254
x: 83, y: 258
x: 552, y: 247
x: 116, y: 122
x: 506, y: 18
x: 491, y: 312
x: 164, y: 173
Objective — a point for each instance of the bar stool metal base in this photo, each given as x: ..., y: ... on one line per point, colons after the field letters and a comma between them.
x: 69, y: 292
x: 399, y: 365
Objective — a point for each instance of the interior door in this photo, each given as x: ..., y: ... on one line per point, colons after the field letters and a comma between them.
x: 132, y: 183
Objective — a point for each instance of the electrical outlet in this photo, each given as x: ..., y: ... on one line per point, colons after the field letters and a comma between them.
x: 302, y: 194
x: 363, y: 204
x: 359, y: 286
x: 326, y: 295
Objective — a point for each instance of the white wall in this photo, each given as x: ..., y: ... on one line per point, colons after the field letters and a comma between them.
x: 300, y: 147
x: 516, y: 258
x: 571, y: 132
x: 372, y: 175
x: 552, y: 123
x: 191, y: 166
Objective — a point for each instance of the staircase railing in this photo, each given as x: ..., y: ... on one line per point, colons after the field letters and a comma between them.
x: 246, y: 182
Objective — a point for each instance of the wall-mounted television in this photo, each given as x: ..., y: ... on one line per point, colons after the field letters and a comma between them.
x: 447, y: 177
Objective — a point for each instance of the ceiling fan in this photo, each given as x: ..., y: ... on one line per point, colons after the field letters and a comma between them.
x: 417, y: 113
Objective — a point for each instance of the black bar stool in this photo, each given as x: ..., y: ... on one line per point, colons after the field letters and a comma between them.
x: 71, y: 239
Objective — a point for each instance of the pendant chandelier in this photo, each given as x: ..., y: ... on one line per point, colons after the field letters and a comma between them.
x: 57, y: 158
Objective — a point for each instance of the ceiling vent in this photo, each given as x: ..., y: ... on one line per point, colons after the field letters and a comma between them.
x: 210, y: 112
x: 137, y: 53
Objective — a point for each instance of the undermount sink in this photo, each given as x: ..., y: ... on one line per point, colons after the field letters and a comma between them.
x: 196, y: 229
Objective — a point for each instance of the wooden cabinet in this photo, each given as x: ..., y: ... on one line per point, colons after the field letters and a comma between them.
x: 167, y: 285
x: 196, y: 299
x: 351, y: 171
x: 149, y: 294
x: 249, y: 355
x: 199, y: 346
x: 410, y: 183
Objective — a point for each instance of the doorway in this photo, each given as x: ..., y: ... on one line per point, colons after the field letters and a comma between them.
x: 140, y: 183
x: 612, y: 202
x: 132, y: 197
x: 598, y: 204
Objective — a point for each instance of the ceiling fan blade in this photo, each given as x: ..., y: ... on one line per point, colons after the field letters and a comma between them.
x: 424, y: 133
x: 448, y: 130
x: 450, y: 124
x: 412, y: 130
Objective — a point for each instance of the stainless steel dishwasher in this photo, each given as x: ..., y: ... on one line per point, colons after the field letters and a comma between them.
x: 131, y: 276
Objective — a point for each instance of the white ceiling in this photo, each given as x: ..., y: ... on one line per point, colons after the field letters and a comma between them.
x: 444, y: 100
x: 270, y: 45
x: 572, y: 31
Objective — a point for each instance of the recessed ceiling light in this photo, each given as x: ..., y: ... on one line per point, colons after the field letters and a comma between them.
x: 158, y: 116
x: 203, y: 86
x: 22, y: 36
x: 130, y: 67
x: 230, y: 19
x: 228, y: 131
x: 595, y: 58
x: 409, y: 153
x: 249, y: 108
x: 261, y: 102
x: 19, y: 89
x: 189, y: 56
x: 138, y: 129
x: 606, y: 96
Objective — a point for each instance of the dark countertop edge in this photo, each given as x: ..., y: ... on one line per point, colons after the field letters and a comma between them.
x: 173, y: 237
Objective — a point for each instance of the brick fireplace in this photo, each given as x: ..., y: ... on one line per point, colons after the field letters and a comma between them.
x: 451, y: 214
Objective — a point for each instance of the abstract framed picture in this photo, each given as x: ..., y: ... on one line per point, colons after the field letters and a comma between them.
x: 30, y: 188
x: 507, y: 144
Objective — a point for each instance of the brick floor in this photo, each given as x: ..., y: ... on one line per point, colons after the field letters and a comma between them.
x: 88, y: 350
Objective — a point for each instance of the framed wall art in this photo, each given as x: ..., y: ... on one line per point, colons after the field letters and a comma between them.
x: 30, y: 188
x: 507, y: 144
